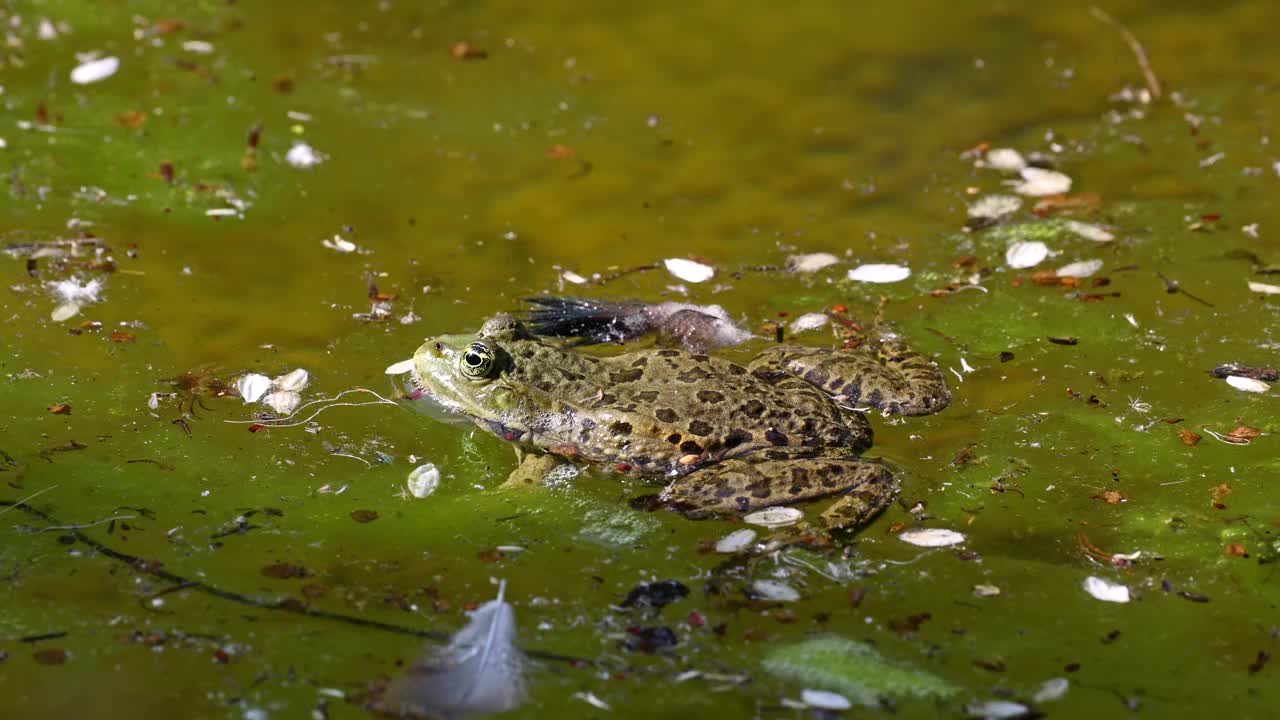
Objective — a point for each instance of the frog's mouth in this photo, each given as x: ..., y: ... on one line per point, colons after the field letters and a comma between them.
x: 417, y: 397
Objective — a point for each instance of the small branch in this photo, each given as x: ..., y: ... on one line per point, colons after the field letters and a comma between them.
x: 1139, y: 52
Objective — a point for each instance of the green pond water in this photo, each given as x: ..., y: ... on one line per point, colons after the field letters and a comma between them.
x: 172, y: 564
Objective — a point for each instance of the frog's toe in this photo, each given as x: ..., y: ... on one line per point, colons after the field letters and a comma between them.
x: 857, y: 508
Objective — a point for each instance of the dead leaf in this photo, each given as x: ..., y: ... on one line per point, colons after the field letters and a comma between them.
x: 1067, y: 202
x: 1189, y: 438
x: 1220, y: 491
x: 1244, y: 432
x: 1111, y: 497
x: 285, y: 571
x: 131, y: 119
x: 60, y: 409
x: 364, y: 516
x: 1235, y: 550
x: 561, y: 152
x: 120, y: 336
x: 50, y: 656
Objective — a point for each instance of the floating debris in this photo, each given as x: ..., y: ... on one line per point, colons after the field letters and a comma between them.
x: 689, y: 270
x: 65, y: 311
x: 1038, y: 181
x: 879, y: 273
x: 1082, y: 269
x: 293, y: 381
x: 775, y: 590
x: 283, y: 402
x: 423, y: 480
x: 736, y: 541
x: 253, y: 386
x: 337, y: 243
x: 997, y: 710
x: 1264, y: 288
x: 1089, y: 231
x: 853, y: 669
x: 994, y: 207
x: 824, y: 699
x: 1051, y: 689
x: 1026, y: 254
x: 809, y: 321
x: 655, y: 594
x: 931, y: 537
x: 1005, y: 159
x: 400, y: 368
x: 93, y: 71
x: 774, y: 517
x: 303, y: 156
x: 812, y: 262
x: 1106, y: 590
x: 1247, y: 384
x: 986, y: 591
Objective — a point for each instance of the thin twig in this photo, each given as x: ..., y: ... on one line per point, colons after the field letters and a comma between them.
x: 1139, y: 52
x: 28, y: 498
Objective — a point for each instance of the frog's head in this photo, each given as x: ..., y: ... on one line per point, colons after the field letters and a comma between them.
x: 467, y: 377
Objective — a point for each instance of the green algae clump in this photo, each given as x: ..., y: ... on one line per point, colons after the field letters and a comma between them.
x: 852, y: 668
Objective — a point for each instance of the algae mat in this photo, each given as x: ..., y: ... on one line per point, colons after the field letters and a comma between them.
x: 254, y: 188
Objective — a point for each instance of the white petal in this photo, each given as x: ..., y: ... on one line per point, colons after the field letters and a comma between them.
x: 423, y: 480
x: 931, y: 537
x: 997, y: 709
x: 879, y: 273
x: 253, y: 386
x: 1090, y: 231
x: 340, y: 244
x: 774, y: 517
x: 775, y: 590
x: 64, y: 311
x: 809, y: 321
x: 293, y: 381
x: 1247, y: 384
x: 825, y: 699
x: 573, y: 277
x: 995, y: 206
x: 735, y: 541
x: 1051, y: 689
x: 1082, y: 269
x: 1106, y: 590
x: 1264, y: 288
x: 1004, y: 159
x: 689, y: 270
x: 1038, y: 181
x: 1026, y: 254
x: 153, y: 401
x: 303, y: 156
x: 401, y: 367
x: 812, y: 262
x: 283, y: 401
x: 95, y: 70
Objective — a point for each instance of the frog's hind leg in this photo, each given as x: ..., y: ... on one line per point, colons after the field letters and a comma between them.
x: 887, y: 376
x: 782, y: 476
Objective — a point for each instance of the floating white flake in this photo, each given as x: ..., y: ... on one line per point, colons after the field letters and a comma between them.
x: 572, y: 277
x: 774, y: 517
x: 997, y: 710
x: 423, y: 480
x: 812, y: 262
x: 689, y: 270
x: 995, y: 206
x: 73, y: 291
x: 986, y: 591
x: 1038, y: 181
x: 736, y: 541
x: 337, y: 243
x: 1106, y: 590
x: 1264, y: 288
x: 825, y: 700
x: 65, y: 311
x: 400, y: 368
x: 1026, y: 254
x: 199, y: 47
x: 253, y: 386
x: 591, y: 699
x: 809, y: 321
x: 931, y: 537
x: 95, y: 70
x: 1006, y: 159
x: 283, y: 401
x: 303, y: 156
x: 221, y: 212
x: 1082, y: 269
x: 292, y: 381
x: 1247, y: 384
x: 1090, y: 231
x: 775, y: 590
x: 1051, y: 689
x: 3, y: 144
x: 880, y: 273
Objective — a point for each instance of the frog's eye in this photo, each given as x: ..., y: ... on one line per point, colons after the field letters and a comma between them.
x: 477, y: 361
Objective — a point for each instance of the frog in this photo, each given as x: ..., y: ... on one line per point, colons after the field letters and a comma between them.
x: 724, y: 438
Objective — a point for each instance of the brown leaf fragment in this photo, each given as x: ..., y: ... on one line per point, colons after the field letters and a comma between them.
x: 856, y: 596
x: 910, y: 623
x: 60, y: 409
x: 285, y: 571
x: 131, y: 119
x: 1193, y: 596
x: 1244, y: 432
x: 1069, y: 202
x: 1064, y: 340
x: 1254, y: 373
x: 166, y: 172
x: 463, y: 50
x: 364, y: 516
x: 1235, y: 550
x: 1171, y: 420
x: 120, y: 336
x: 1220, y: 491
x: 1046, y: 277
x: 1189, y: 438
x: 1259, y: 662
x: 561, y: 152
x: 51, y: 656
x: 1111, y: 497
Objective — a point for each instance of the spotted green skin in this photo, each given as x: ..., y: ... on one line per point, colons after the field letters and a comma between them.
x: 726, y: 438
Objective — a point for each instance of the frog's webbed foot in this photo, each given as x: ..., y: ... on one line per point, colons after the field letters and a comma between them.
x: 783, y: 476
x: 531, y: 470
x: 886, y: 375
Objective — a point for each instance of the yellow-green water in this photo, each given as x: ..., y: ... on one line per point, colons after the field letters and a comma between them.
x: 739, y: 133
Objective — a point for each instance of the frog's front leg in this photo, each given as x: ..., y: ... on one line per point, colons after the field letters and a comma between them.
x: 782, y: 476
x: 532, y: 469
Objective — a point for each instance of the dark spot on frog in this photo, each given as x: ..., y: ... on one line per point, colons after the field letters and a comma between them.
x: 836, y: 385
x: 775, y: 437
x: 736, y: 438
x: 710, y: 396
x: 620, y: 428
x: 641, y: 362
x: 777, y: 455
x: 699, y: 358
x: 698, y: 427
x: 691, y: 447
x: 693, y: 375
x: 668, y: 353
x: 753, y: 408
x: 674, y: 438
x: 605, y: 399
x: 625, y: 376
x: 816, y: 376
x: 646, y: 396
x: 737, y: 369
x: 667, y: 415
